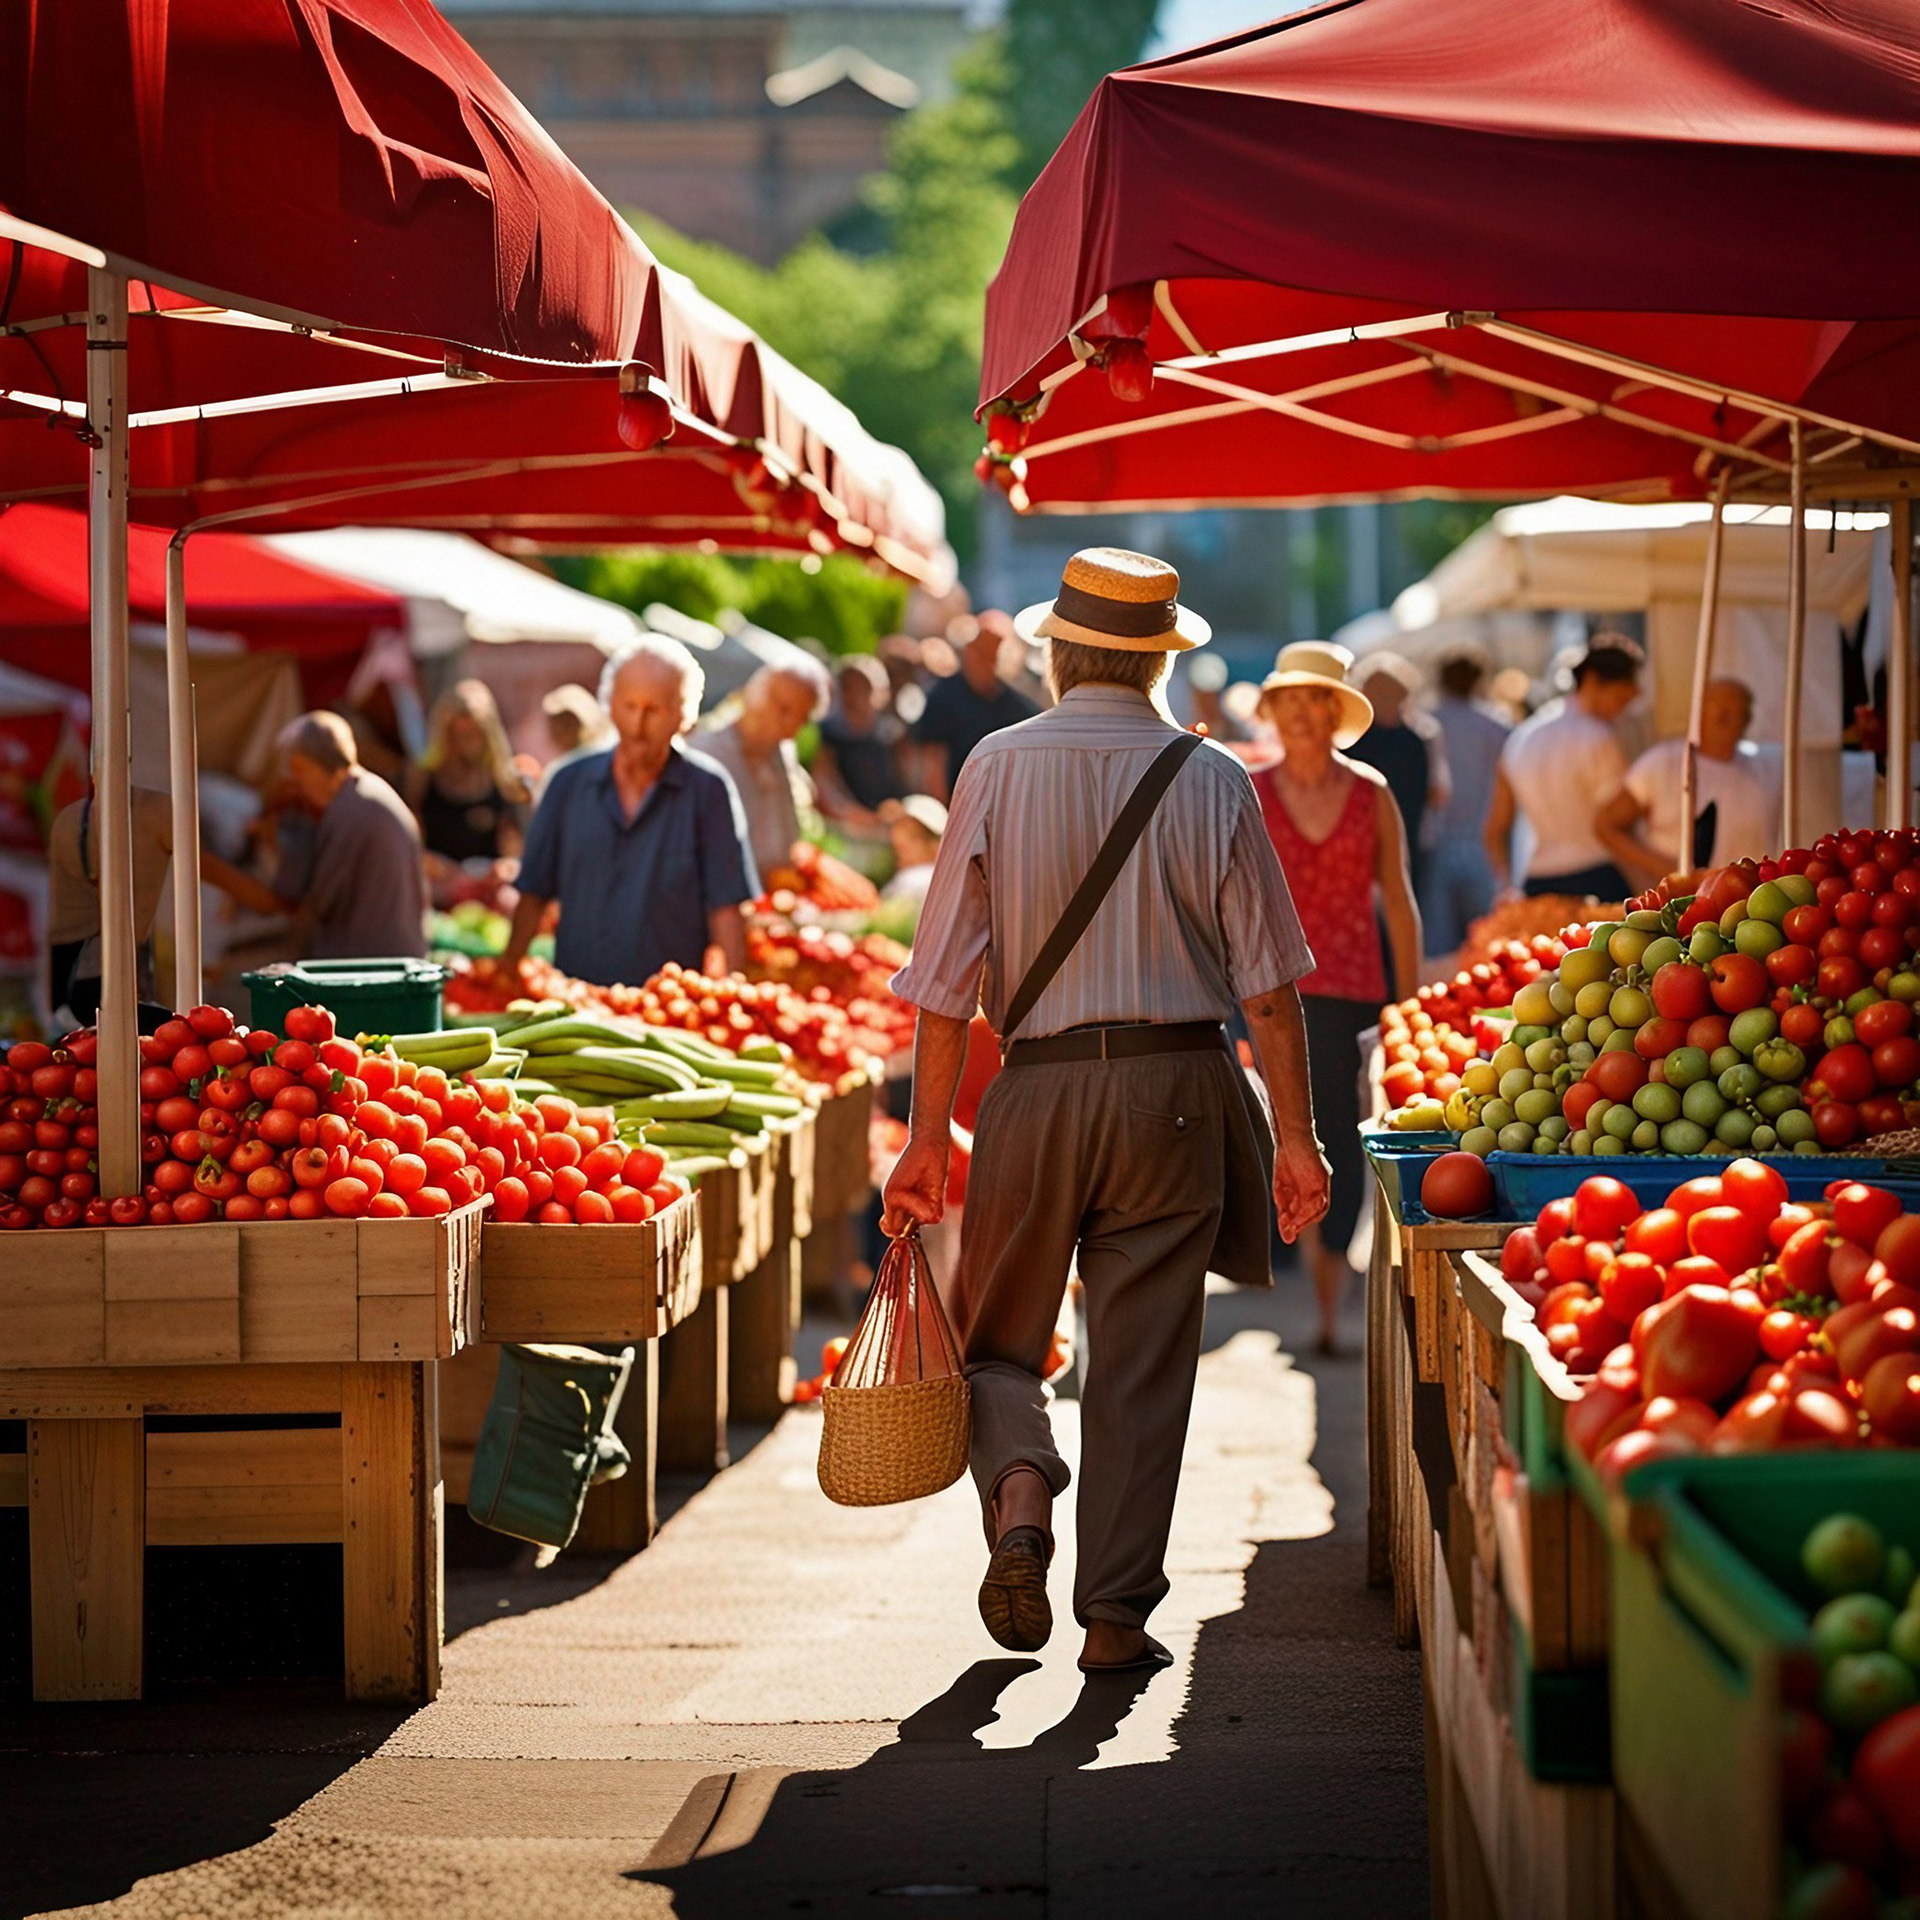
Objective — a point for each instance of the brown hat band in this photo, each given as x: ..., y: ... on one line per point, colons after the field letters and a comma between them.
x: 1124, y: 619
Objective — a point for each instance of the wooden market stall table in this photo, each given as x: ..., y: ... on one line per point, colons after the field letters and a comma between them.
x: 1498, y: 1573
x: 708, y: 1294
x: 140, y: 1360
x: 842, y: 1185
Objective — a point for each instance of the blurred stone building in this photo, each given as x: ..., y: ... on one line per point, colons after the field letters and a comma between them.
x: 749, y: 122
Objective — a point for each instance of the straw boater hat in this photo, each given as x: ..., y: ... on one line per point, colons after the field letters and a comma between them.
x: 1112, y: 598
x: 1318, y: 663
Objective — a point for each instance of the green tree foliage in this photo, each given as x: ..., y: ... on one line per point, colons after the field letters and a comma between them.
x: 838, y: 602
x: 1056, y: 53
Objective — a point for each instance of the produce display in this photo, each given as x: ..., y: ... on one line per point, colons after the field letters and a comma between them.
x: 815, y: 879
x: 1729, y: 1320
x: 825, y: 1044
x: 837, y: 969
x: 1773, y: 1010
x: 1850, y: 1753
x: 248, y: 1125
x: 675, y: 1092
x: 1428, y: 1041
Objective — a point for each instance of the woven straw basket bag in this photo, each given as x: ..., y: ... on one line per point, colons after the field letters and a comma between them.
x: 898, y: 1410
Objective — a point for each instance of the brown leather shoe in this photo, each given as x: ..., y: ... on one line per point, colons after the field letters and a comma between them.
x: 1013, y: 1595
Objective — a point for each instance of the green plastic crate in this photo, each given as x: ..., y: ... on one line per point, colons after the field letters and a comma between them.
x: 364, y: 996
x: 1710, y: 1616
x: 1561, y: 1721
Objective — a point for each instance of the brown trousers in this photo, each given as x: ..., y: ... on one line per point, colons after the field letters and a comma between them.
x: 1124, y: 1163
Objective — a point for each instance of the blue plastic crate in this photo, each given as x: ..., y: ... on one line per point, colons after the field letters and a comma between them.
x: 1389, y: 1152
x: 1525, y: 1182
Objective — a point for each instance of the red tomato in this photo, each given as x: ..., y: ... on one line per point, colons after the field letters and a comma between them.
x: 1578, y: 1101
x: 1791, y: 965
x: 306, y: 1203
x: 410, y: 1133
x: 156, y: 1083
x: 563, y: 1150
x: 510, y: 1200
x: 168, y: 1038
x: 1862, y: 1213
x: 1697, y: 1345
x: 1890, y: 1393
x: 603, y: 1166
x: 368, y: 1172
x: 1758, y: 1190
x: 553, y: 1214
x: 1630, y: 1285
x: 1805, y: 1258
x: 664, y: 1193
x: 568, y: 1184
x: 1803, y: 1024
x: 429, y: 1203
x: 1696, y: 1270
x: 1690, y: 1196
x: 1619, y: 1075
x: 1552, y: 1221
x: 1886, y: 1773
x: 444, y: 1159
x: 191, y: 1209
x: 1566, y: 1261
x: 592, y: 1209
x: 406, y: 1173
x: 1681, y: 991
x: 1784, y: 1332
x: 342, y: 1056
x: 376, y: 1120
x: 1657, y: 1038
x: 1834, y: 1123
x: 387, y: 1206
x: 1882, y: 947
x: 1739, y: 982
x: 312, y: 1024
x: 1884, y: 1020
x: 1804, y: 925
x: 1709, y: 1033
x: 630, y: 1207
x: 539, y: 1184
x: 347, y: 1196
x: 1839, y: 978
x: 1896, y: 1062
x: 312, y: 1167
x: 1735, y: 1239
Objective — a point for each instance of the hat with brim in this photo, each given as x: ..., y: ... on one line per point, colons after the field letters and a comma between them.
x: 1112, y: 598
x: 1318, y: 663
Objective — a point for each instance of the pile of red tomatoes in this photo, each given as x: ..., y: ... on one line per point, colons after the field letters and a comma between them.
x: 247, y: 1125
x: 1731, y: 1319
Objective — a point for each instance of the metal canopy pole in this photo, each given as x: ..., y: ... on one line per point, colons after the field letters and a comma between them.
x: 119, y: 1050
x: 1796, y: 642
x: 1702, y: 672
x: 1897, y: 807
x: 183, y: 771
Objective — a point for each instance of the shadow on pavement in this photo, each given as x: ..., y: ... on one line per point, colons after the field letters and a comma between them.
x: 103, y: 1796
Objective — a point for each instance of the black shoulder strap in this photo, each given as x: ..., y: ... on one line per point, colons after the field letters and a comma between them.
x: 1121, y: 839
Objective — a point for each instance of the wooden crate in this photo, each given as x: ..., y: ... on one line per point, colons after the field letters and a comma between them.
x: 1550, y: 1550
x: 736, y: 1213
x: 842, y: 1167
x: 288, y: 1291
x: 764, y: 1312
x: 1425, y: 1252
x: 593, y: 1285
x: 100, y: 1489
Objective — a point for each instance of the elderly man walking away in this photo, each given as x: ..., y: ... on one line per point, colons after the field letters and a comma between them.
x: 643, y: 843
x: 1107, y: 891
x: 756, y: 748
x: 351, y: 864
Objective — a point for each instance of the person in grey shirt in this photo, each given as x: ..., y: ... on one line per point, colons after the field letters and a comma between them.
x: 351, y: 868
x: 756, y: 749
x: 1458, y: 885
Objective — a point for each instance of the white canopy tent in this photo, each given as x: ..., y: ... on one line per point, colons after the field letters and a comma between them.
x: 1502, y: 586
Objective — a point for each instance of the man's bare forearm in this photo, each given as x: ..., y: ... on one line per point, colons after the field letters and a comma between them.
x: 727, y: 930
x: 939, y: 1052
x: 527, y: 915
x: 1279, y: 1032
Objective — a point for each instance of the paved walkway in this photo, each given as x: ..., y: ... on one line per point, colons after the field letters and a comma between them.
x: 787, y: 1707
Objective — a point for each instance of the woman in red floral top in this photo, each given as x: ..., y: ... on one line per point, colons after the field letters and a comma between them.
x: 1341, y: 845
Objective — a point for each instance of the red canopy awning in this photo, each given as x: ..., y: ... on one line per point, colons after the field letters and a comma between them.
x: 234, y: 585
x: 1497, y: 247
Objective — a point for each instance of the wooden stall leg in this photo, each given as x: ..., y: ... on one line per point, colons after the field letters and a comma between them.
x: 86, y: 1535
x: 387, y: 1452
x: 763, y: 1314
x: 621, y: 1516
x: 1381, y: 1291
x: 693, y: 1389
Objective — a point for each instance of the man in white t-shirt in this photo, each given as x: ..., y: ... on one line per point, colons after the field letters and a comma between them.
x: 1559, y: 768
x: 1641, y: 822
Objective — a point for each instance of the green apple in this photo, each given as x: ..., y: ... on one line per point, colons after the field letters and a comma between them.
x: 1620, y: 1040
x: 1839, y: 1032
x: 1607, y: 1143
x: 1858, y: 1003
x: 1683, y: 1136
x: 1772, y: 1102
x: 1705, y: 945
x: 1703, y: 1103
x: 1548, y: 1052
x: 1781, y: 1061
x: 1758, y: 938
x: 1620, y: 1121
x: 1581, y: 1142
x: 1724, y: 1057
x: 1599, y: 1029
x: 1630, y: 1007
x: 1795, y: 1127
x: 1768, y: 901
x: 1516, y: 1081
x: 1533, y: 1004
x: 1659, y: 953
x: 1763, y: 1139
x: 1800, y: 891
x: 1741, y: 1082
x: 1685, y: 1065
x: 1507, y: 1056
x: 1573, y: 1028
x: 1905, y: 985
x: 1555, y: 1128
x: 1516, y: 1137
x: 1583, y: 966
x: 1657, y: 1102
x: 1646, y: 1136
x: 1479, y: 1140
x: 1592, y: 999
x: 1753, y: 1029
x: 1736, y: 1129
x: 1536, y: 1105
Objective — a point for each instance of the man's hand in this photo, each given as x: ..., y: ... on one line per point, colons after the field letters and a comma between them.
x: 1300, y: 1184
x: 916, y: 1189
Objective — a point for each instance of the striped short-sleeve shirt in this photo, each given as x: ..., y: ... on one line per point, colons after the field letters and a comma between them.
x: 1199, y: 919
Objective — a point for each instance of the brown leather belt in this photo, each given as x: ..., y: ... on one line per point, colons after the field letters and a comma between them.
x: 1118, y: 1043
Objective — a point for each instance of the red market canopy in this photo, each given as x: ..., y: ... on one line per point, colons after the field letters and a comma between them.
x: 1382, y: 247
x: 234, y: 585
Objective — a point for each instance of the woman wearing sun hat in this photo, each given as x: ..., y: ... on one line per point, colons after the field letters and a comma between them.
x: 1341, y: 844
